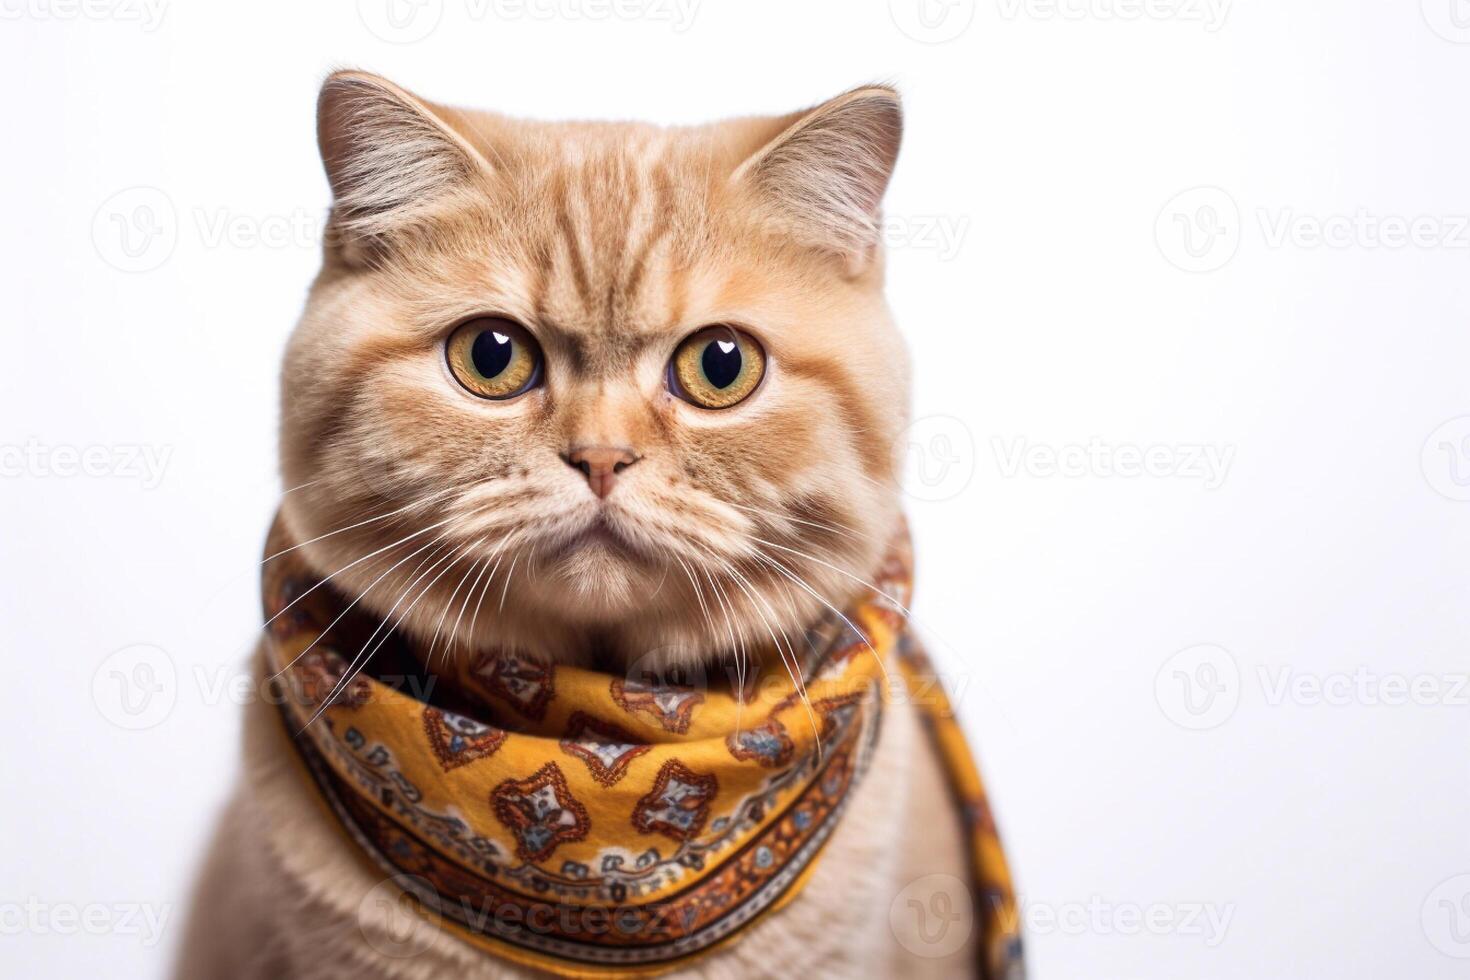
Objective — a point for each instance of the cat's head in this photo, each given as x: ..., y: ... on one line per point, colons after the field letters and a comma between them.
x: 598, y: 384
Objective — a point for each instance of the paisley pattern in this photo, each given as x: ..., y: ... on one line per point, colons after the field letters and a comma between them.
x: 605, y: 748
x: 458, y: 740
x: 767, y: 744
x: 671, y: 707
x: 519, y: 681
x: 678, y: 804
x: 587, y: 825
x: 540, y: 811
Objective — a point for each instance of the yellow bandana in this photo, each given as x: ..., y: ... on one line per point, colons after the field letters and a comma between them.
x: 595, y: 825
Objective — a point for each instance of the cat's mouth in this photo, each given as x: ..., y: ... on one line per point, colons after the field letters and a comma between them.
x: 600, y: 534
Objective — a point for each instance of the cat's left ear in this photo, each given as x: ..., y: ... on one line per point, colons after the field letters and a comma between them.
x: 824, y: 176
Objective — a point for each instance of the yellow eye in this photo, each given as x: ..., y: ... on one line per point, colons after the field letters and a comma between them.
x: 717, y: 367
x: 494, y: 357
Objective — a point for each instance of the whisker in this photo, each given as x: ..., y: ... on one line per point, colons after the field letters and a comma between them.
x: 838, y: 529
x: 421, y: 502
x: 457, y: 554
x: 301, y: 486
x: 475, y: 619
x: 344, y: 568
x: 342, y: 615
x: 353, y: 668
x: 737, y: 649
x: 485, y: 588
x: 907, y: 612
x: 792, y: 667
x: 843, y: 616
x: 840, y: 571
x: 509, y: 572
x: 698, y: 593
x: 737, y: 643
x: 449, y: 603
x: 483, y: 563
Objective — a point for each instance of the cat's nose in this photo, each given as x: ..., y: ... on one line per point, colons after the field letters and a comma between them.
x: 601, y: 465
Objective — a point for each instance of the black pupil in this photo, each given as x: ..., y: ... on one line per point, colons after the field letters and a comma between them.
x: 721, y: 362
x: 491, y: 353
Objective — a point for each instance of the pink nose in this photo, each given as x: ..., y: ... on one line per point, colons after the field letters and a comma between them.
x: 601, y: 465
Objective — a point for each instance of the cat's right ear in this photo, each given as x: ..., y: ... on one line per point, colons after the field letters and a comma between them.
x: 391, y: 160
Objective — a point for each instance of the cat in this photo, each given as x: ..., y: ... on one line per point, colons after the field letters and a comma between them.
x: 650, y: 377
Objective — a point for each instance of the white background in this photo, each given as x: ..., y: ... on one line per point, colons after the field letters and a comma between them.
x: 1051, y: 150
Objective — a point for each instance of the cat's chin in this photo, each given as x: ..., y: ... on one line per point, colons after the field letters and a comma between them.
x: 599, y: 579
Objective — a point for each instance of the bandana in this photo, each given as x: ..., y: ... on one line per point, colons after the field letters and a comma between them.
x: 592, y: 825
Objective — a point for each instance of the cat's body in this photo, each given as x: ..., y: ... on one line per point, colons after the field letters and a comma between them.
x: 494, y: 378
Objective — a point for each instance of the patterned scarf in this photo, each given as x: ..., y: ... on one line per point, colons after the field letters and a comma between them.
x: 593, y: 825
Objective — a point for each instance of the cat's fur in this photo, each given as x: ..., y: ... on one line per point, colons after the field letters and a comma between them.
x: 610, y: 243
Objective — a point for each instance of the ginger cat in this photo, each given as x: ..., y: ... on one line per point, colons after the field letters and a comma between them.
x: 648, y: 376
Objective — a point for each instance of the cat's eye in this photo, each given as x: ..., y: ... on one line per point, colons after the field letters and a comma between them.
x: 717, y: 367
x: 494, y: 357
